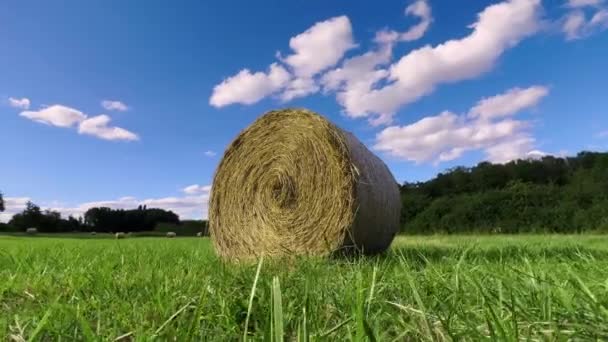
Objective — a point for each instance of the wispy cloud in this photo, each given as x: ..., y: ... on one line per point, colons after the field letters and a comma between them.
x: 197, y: 189
x: 584, y: 3
x: 210, y: 153
x: 22, y: 103
x: 114, y: 105
x: 420, y: 9
x: 66, y: 117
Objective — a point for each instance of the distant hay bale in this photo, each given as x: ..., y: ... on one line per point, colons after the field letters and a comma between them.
x: 292, y: 183
x: 120, y: 235
x: 93, y: 233
x: 31, y: 231
x: 171, y: 234
x: 199, y: 234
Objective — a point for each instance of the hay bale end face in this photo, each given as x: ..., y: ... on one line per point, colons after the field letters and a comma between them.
x: 292, y: 183
x: 120, y: 235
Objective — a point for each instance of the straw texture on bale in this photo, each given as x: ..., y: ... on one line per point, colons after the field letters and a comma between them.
x: 292, y: 183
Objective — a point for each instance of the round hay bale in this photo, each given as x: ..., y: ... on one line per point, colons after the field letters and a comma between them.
x: 292, y: 183
x: 93, y: 233
x: 120, y: 235
x: 171, y: 234
x: 31, y: 231
x: 199, y: 234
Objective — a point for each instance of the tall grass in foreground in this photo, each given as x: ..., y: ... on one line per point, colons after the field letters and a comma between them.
x: 427, y: 288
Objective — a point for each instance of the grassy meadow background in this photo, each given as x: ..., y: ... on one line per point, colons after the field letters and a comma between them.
x: 545, y: 287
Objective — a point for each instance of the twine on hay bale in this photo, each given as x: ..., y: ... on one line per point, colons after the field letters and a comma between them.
x: 292, y: 183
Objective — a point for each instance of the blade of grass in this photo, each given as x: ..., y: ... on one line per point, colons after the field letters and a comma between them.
x: 251, y: 296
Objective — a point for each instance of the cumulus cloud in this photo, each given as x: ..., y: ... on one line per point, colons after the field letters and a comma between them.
x: 316, y: 49
x: 248, y: 88
x: 420, y: 9
x: 62, y: 116
x: 97, y: 126
x: 56, y: 115
x: 498, y: 28
x: 320, y: 47
x: 357, y: 75
x: 197, y: 189
x: 299, y: 87
x: 22, y: 103
x: 508, y: 103
x: 114, y: 105
x: 488, y: 126
x: 368, y: 85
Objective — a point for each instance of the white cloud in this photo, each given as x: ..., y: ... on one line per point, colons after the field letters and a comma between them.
x: 56, y: 115
x: 499, y: 27
x: 600, y: 19
x: 320, y: 47
x: 518, y: 147
x: 114, y: 105
x: 420, y: 9
x: 358, y: 75
x: 62, y: 116
x: 22, y: 103
x: 576, y: 26
x: 537, y: 154
x: 210, y: 153
x: 368, y: 85
x: 12, y: 205
x: 584, y: 3
x: 248, y: 88
x: 97, y: 126
x: 508, y: 103
x: 197, y: 189
x: 448, y: 136
x: 299, y: 87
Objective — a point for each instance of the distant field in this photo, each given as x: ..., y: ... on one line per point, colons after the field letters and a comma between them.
x: 426, y: 288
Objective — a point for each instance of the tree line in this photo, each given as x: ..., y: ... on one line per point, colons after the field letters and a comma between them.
x: 553, y: 195
x: 101, y: 220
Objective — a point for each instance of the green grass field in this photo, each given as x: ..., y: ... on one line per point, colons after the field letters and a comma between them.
x: 427, y: 288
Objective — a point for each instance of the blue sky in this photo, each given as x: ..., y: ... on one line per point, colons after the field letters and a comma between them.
x: 109, y: 103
